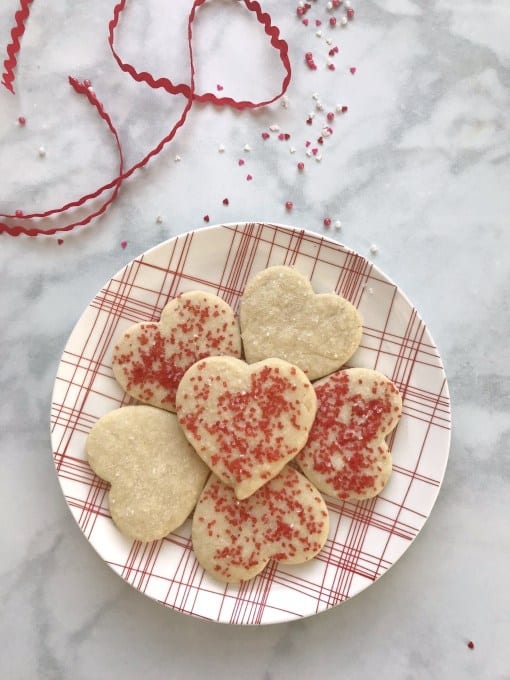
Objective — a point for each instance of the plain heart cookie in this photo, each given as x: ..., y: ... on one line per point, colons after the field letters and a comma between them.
x: 156, y: 478
x: 246, y: 422
x: 150, y: 359
x: 347, y: 455
x: 281, y: 316
x: 286, y: 520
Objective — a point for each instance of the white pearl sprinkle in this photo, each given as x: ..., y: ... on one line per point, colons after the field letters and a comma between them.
x: 344, y: 21
x: 292, y: 149
x: 247, y: 147
x: 42, y: 151
x: 177, y: 158
x: 347, y: 4
x: 285, y: 102
x: 318, y: 34
x: 325, y: 132
x: 274, y: 127
x: 221, y: 148
x: 329, y: 41
x: 329, y: 5
x: 338, y: 224
x: 374, y: 249
x: 159, y: 219
x: 315, y: 96
x: 308, y: 153
x: 319, y: 106
x: 318, y: 158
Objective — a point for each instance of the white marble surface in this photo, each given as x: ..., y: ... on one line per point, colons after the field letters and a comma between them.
x: 419, y: 166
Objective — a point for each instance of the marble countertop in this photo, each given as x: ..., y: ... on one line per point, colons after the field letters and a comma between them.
x: 415, y: 176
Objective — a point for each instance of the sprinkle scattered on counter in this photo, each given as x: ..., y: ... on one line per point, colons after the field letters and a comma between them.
x: 159, y: 219
x: 289, y: 205
x: 22, y: 121
x: 42, y: 152
x: 327, y: 221
x: 123, y: 245
x: 206, y: 218
x: 249, y: 178
x: 60, y: 241
x: 374, y: 249
x: 471, y: 644
x: 226, y: 201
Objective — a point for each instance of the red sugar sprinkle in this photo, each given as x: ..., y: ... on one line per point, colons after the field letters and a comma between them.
x: 350, y: 13
x: 60, y: 241
x: 318, y: 22
x: 22, y: 120
x: 331, y: 67
x: 352, y: 70
x: 123, y: 244
x: 289, y: 205
x: 240, y: 162
x: 333, y: 51
x: 330, y: 116
x: 344, y: 109
x: 314, y: 151
x: 320, y: 140
x: 336, y: 3
x: 327, y: 221
x: 19, y: 213
x: 225, y: 201
x: 332, y: 21
x: 219, y: 87
x: 471, y: 644
x: 206, y: 218
x: 300, y: 166
x: 309, y: 120
x: 305, y: 22
x: 309, y: 61
x: 249, y: 178
x: 265, y: 135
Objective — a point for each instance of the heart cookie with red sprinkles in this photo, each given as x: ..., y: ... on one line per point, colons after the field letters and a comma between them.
x: 281, y: 316
x: 150, y: 359
x: 286, y: 520
x: 246, y: 422
x: 347, y: 455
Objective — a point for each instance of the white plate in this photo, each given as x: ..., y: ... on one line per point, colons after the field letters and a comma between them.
x: 365, y: 538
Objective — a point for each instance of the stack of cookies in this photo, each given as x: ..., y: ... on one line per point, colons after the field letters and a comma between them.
x: 247, y: 423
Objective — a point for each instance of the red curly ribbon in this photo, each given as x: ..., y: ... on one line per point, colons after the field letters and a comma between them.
x: 14, y: 46
x: 188, y: 90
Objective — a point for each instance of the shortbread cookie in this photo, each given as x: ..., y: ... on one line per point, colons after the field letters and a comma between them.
x: 150, y: 359
x: 285, y: 520
x: 246, y: 422
x: 281, y: 316
x: 155, y: 476
x: 346, y: 455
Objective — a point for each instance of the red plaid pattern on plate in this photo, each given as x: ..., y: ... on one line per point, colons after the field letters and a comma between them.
x: 365, y: 538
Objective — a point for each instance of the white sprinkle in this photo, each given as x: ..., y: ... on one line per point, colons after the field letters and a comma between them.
x: 329, y: 5
x: 370, y: 291
x: 329, y: 41
x: 311, y: 114
x: 338, y: 224
x: 285, y: 102
x: 221, y: 148
x: 325, y: 132
x: 247, y: 147
x: 308, y: 153
x: 318, y: 158
x: 42, y: 151
x: 344, y: 21
x: 374, y: 249
x: 318, y: 34
x: 274, y: 127
x: 315, y: 96
x: 292, y: 149
x: 177, y: 158
x: 159, y: 219
x: 347, y: 4
x: 319, y: 106
x: 339, y: 108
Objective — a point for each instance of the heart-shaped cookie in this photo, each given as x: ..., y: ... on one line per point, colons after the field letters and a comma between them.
x: 246, y: 422
x: 150, y: 359
x: 155, y: 476
x: 346, y: 455
x: 281, y: 316
x: 285, y: 520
